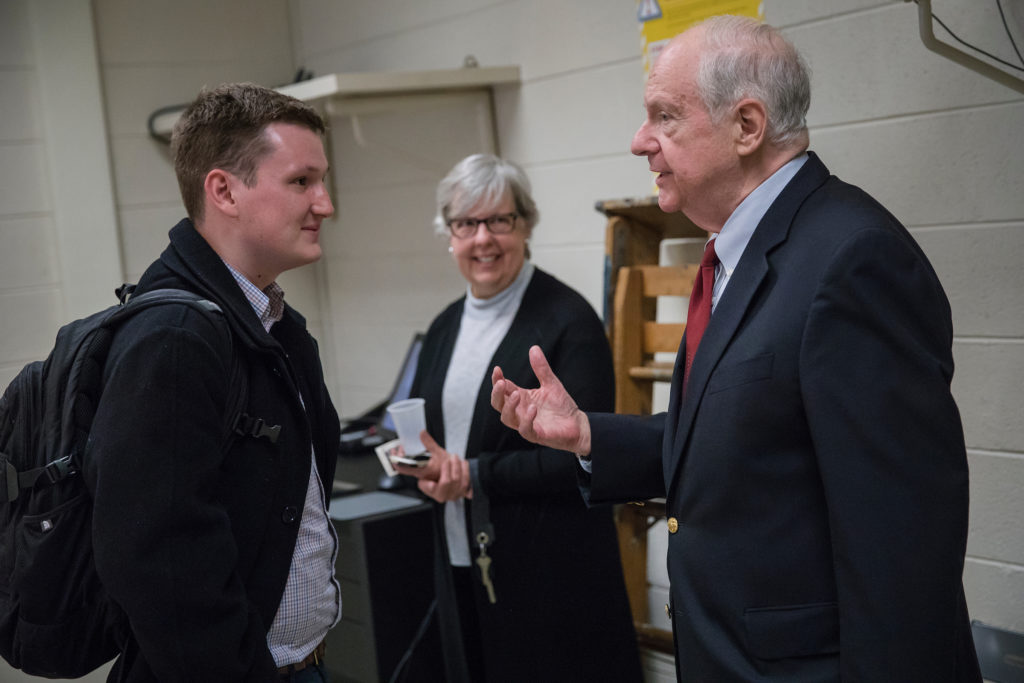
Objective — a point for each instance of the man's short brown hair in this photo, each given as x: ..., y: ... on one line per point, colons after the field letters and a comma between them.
x: 224, y: 128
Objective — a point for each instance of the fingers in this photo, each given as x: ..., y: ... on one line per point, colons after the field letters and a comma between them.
x: 428, y: 441
x: 541, y: 368
x: 452, y: 483
x: 527, y: 422
x: 520, y: 408
x: 428, y: 487
x: 455, y: 478
x: 519, y: 413
x: 509, y: 418
x: 497, y: 388
x: 501, y: 388
x: 498, y: 395
x: 505, y: 395
x: 465, y: 487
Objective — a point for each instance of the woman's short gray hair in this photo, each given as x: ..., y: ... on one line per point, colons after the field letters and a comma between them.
x: 483, y: 178
x: 745, y: 58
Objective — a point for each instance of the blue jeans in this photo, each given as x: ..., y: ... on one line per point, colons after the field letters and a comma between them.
x: 314, y: 673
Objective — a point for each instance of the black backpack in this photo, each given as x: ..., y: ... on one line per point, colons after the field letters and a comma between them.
x: 56, y: 619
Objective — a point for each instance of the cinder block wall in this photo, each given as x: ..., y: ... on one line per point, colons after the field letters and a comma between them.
x: 939, y: 145
x: 31, y: 303
x: 936, y: 143
x: 86, y: 197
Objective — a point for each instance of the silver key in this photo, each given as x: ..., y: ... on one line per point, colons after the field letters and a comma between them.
x: 483, y: 561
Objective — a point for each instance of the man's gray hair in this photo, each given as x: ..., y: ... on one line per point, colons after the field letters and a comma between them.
x: 745, y: 58
x: 483, y: 178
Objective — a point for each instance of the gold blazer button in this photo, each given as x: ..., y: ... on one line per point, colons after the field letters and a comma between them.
x: 673, y: 525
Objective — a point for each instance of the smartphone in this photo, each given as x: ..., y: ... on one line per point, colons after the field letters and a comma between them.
x: 418, y: 460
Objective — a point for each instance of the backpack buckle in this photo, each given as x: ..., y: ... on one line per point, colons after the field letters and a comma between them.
x: 59, y: 469
x: 10, y: 476
x: 256, y: 427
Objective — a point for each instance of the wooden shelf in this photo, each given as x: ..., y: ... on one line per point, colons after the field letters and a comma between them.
x: 633, y: 279
x: 645, y: 211
x: 654, y: 371
x: 633, y: 234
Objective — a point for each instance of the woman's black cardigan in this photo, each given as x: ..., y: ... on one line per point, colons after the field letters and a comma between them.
x: 562, y: 612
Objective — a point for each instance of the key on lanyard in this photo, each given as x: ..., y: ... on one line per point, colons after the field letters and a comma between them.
x: 483, y: 561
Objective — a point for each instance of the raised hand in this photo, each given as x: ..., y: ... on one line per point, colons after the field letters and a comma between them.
x: 546, y: 415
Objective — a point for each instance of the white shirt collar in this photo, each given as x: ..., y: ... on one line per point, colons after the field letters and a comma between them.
x: 268, y: 303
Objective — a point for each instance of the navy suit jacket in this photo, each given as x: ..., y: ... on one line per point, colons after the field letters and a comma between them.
x: 816, y: 465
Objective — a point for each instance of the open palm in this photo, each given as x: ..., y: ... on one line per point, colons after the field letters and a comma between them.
x: 546, y: 415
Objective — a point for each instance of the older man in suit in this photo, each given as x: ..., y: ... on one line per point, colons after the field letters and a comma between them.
x: 812, y: 456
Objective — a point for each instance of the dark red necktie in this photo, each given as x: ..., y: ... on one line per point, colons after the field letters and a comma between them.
x: 699, y: 313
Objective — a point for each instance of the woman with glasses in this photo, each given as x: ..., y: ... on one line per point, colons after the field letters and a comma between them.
x: 529, y: 581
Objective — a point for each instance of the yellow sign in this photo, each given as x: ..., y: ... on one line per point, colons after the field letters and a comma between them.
x: 662, y: 20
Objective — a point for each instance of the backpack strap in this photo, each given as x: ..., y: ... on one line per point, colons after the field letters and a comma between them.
x: 12, y: 481
x: 237, y: 421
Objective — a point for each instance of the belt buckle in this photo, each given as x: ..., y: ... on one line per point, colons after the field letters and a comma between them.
x: 314, y: 658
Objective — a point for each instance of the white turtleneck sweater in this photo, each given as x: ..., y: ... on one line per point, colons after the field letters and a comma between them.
x: 485, y: 322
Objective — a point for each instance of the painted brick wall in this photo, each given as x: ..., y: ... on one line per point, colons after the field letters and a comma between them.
x: 939, y: 145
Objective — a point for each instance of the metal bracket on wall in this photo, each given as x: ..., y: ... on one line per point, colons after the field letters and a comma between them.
x: 924, y: 15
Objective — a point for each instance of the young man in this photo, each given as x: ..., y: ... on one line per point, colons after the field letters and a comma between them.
x: 217, y: 544
x: 812, y: 456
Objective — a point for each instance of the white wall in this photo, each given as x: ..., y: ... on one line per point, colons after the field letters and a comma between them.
x: 28, y: 262
x: 939, y: 145
x: 55, y: 194
x: 156, y: 54
x: 38, y: 228
x: 388, y: 274
x: 79, y: 176
x: 573, y: 152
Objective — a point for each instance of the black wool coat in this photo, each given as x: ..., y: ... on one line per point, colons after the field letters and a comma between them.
x: 194, y: 539
x: 562, y: 613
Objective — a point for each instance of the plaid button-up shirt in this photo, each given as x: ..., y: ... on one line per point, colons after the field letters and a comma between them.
x: 311, y: 603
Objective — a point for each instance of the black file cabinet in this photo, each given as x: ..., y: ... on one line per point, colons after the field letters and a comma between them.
x: 385, y: 568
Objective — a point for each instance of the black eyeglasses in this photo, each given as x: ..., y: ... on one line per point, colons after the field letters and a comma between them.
x: 498, y: 224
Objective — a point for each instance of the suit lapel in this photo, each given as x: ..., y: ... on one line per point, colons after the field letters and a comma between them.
x: 746, y: 279
x: 669, y: 451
